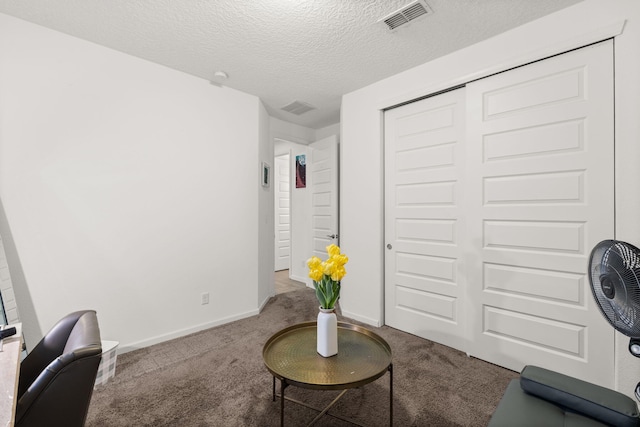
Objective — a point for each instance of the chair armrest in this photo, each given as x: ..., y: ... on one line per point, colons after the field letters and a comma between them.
x: 605, y: 405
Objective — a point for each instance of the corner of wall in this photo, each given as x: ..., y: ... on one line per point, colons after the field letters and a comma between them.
x: 266, y: 221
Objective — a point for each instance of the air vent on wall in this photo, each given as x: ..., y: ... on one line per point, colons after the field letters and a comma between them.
x: 408, y: 13
x: 297, y: 108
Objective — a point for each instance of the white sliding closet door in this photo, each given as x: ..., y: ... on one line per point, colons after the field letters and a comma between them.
x: 494, y: 196
x: 541, y: 193
x: 424, y: 280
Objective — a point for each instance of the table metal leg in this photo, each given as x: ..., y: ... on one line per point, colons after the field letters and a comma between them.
x: 325, y: 410
x: 391, y: 394
x: 283, y: 385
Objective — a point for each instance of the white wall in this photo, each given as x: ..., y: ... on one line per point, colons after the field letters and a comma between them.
x: 129, y: 188
x: 291, y: 132
x: 266, y: 250
x: 361, y: 203
x: 328, y: 131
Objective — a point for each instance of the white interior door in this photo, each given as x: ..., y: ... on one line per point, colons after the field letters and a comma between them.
x: 322, y: 177
x: 541, y: 189
x: 424, y: 182
x: 282, y: 181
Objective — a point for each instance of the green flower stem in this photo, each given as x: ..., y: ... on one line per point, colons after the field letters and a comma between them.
x: 327, y: 291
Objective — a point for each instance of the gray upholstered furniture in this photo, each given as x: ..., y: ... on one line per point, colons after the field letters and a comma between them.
x: 541, y: 397
x: 57, y: 377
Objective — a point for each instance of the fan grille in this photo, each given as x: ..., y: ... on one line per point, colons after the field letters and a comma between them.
x: 614, y: 273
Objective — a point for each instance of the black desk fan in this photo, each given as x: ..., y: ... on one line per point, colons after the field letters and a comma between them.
x: 614, y: 275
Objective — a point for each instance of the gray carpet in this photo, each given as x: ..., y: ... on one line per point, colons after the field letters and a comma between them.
x: 217, y: 378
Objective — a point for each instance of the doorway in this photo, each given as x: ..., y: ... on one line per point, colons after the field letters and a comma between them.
x: 311, y: 222
x: 282, y: 204
x: 283, y: 283
x: 291, y: 212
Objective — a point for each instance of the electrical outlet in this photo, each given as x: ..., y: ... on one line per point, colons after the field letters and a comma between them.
x: 205, y: 298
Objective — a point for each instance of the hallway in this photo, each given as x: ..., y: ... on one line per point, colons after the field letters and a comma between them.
x: 284, y: 284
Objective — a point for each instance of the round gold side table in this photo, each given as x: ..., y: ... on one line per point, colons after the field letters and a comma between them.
x: 363, y: 357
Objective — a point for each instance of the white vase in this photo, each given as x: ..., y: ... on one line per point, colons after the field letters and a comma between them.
x: 327, y: 333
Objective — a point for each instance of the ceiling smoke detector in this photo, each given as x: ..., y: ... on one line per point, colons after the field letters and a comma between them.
x: 404, y: 15
x: 298, y: 108
x: 218, y: 78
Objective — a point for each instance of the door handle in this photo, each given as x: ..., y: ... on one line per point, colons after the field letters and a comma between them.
x: 389, y: 246
x: 332, y: 236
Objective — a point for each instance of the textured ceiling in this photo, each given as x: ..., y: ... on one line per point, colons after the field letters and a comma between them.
x: 313, y: 51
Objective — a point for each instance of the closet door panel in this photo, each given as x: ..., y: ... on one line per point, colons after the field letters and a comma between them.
x: 424, y: 170
x: 540, y: 195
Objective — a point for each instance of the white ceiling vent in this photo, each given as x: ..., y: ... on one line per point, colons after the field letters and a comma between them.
x: 298, y: 108
x: 402, y: 16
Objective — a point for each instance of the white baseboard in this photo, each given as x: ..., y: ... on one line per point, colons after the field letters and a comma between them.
x: 182, y: 332
x: 298, y: 278
x: 363, y: 319
x: 266, y: 300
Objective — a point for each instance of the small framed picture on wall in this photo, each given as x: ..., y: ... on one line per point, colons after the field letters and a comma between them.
x: 266, y: 172
x: 301, y: 171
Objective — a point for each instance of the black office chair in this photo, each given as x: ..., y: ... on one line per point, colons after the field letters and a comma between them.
x: 57, y: 377
x: 541, y: 397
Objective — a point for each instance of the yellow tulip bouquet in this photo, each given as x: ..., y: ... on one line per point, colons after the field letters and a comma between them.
x: 327, y: 275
